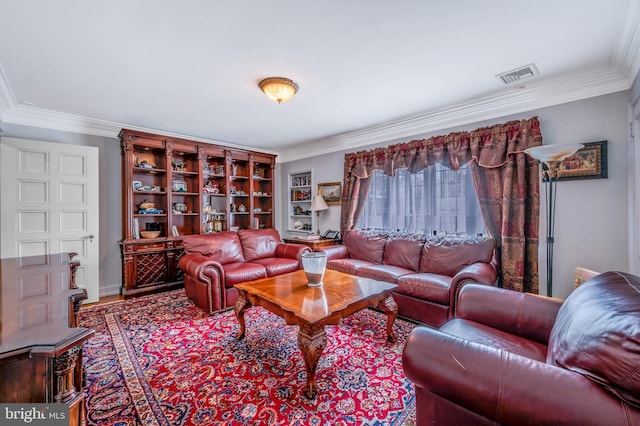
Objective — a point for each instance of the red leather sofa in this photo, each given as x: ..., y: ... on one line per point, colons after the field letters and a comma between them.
x: 429, y: 271
x: 517, y: 359
x: 214, y: 263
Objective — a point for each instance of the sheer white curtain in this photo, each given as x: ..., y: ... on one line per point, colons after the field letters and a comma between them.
x: 434, y: 200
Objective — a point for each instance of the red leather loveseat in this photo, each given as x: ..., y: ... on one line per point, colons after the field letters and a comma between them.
x: 214, y: 263
x: 429, y: 271
x: 510, y: 358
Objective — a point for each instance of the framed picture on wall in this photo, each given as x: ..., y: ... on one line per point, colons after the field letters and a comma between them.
x: 330, y: 192
x: 589, y: 162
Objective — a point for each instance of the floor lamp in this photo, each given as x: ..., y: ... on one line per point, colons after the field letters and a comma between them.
x: 318, y: 205
x: 551, y: 156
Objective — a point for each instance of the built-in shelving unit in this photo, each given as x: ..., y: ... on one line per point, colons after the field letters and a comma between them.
x: 176, y: 187
x: 299, y: 205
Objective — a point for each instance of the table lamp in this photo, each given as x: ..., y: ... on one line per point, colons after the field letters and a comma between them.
x: 318, y: 205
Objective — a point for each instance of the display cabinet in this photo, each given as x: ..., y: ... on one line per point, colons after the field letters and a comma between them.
x: 174, y: 187
x: 185, y: 187
x: 239, y: 191
x: 299, y: 205
x: 214, y: 189
x: 262, y: 191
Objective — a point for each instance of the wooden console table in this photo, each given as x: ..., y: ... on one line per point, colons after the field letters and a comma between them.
x: 40, y: 343
x: 312, y: 243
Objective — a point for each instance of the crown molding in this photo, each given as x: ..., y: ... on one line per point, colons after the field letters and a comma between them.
x: 41, y: 118
x: 537, y: 94
x: 12, y: 112
x: 627, y: 51
x: 6, y: 95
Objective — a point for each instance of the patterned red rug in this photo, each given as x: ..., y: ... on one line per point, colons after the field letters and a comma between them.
x: 160, y: 360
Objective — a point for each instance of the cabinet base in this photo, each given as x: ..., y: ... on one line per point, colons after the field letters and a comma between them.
x: 150, y: 289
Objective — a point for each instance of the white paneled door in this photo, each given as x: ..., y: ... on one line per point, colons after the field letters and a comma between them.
x: 49, y: 204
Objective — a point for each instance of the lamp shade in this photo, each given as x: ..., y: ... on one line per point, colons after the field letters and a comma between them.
x: 318, y: 203
x: 279, y: 89
x: 552, y: 153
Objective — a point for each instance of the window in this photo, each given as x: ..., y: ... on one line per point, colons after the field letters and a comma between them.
x: 435, y: 199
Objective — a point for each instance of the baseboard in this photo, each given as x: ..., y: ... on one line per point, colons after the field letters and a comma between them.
x: 110, y: 290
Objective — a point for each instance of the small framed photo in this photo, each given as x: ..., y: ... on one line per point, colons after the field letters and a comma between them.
x: 589, y: 162
x: 331, y: 192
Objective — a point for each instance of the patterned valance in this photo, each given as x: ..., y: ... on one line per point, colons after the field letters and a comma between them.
x: 487, y: 146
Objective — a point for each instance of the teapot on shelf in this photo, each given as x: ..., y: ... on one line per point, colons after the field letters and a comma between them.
x: 242, y: 208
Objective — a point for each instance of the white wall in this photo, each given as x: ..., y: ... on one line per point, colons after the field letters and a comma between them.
x: 591, y: 215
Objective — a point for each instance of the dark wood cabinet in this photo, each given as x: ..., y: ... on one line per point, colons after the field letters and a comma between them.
x: 40, y: 341
x: 174, y: 187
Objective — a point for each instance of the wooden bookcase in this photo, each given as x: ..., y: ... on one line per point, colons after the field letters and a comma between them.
x: 180, y: 187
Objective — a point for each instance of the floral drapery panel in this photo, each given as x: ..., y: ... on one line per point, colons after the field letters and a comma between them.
x: 505, y: 178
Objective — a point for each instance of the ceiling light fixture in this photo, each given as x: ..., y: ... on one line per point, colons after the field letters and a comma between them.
x: 279, y: 89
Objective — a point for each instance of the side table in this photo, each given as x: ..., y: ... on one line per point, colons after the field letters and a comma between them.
x: 313, y: 243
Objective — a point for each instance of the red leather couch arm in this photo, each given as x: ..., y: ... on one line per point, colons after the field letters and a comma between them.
x: 337, y: 251
x: 503, y: 387
x: 479, y: 273
x: 291, y: 251
x: 521, y: 314
x: 198, y: 266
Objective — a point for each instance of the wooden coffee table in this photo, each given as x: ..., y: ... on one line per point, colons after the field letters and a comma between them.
x: 312, y: 308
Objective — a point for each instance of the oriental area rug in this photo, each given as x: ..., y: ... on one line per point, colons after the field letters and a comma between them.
x: 160, y: 360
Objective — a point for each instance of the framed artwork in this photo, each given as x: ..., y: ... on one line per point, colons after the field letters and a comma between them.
x: 589, y: 162
x: 330, y: 192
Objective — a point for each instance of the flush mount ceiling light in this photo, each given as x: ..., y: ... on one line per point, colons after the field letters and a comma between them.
x: 279, y: 89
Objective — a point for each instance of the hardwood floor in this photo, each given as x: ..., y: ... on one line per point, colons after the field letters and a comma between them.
x: 106, y: 299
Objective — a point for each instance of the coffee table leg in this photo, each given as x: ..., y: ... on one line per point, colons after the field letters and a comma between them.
x: 389, y: 306
x: 239, y: 308
x: 311, y: 341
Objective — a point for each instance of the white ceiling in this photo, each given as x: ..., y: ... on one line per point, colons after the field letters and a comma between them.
x: 368, y: 70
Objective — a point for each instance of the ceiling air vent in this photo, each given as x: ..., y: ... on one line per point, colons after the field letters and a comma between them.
x: 518, y: 74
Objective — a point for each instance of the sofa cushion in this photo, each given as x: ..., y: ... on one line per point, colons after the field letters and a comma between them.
x: 279, y: 265
x: 259, y: 243
x: 366, y: 245
x: 404, y: 250
x: 597, y: 333
x: 348, y: 266
x: 489, y: 336
x: 448, y: 255
x: 425, y: 286
x: 223, y: 247
x: 240, y: 272
x: 388, y: 273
